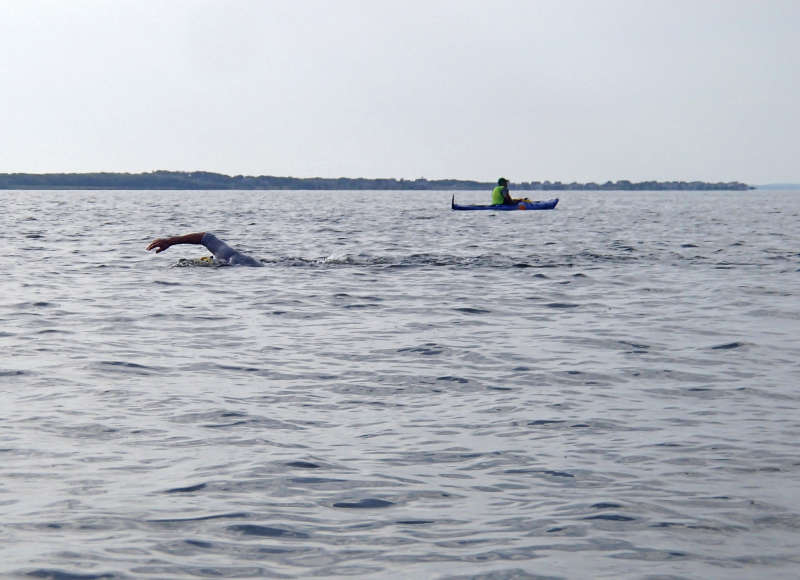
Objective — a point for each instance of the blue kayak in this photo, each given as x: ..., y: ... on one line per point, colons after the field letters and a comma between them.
x: 526, y: 204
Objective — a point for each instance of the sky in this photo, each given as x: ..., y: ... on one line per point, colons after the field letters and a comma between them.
x: 567, y: 90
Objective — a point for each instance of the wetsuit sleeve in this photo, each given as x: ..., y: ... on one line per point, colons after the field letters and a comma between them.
x: 225, y: 254
x: 222, y: 251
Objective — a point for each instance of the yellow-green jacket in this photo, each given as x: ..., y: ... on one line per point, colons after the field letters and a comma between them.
x: 497, y: 195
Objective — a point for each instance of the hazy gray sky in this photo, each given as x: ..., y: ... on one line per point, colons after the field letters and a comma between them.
x: 584, y: 90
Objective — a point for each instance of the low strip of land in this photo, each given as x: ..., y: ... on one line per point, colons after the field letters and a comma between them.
x: 207, y: 180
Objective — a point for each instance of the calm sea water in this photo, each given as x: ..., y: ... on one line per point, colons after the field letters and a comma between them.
x: 606, y: 390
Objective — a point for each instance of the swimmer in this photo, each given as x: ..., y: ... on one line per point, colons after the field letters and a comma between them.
x: 223, y: 253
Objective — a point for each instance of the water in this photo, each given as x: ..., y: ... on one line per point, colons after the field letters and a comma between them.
x: 607, y: 390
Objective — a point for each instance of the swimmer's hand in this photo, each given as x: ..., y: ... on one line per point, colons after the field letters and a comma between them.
x: 160, y: 244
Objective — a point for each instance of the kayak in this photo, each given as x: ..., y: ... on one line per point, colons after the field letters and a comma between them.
x: 526, y: 204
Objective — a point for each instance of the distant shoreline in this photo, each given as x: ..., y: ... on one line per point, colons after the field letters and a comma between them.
x: 203, y: 180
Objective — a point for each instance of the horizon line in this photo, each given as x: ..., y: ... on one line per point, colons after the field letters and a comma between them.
x: 407, y: 179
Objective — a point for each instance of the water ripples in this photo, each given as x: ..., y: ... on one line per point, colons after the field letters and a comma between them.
x: 403, y: 391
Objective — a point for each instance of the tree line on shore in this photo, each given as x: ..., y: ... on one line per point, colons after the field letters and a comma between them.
x: 209, y: 180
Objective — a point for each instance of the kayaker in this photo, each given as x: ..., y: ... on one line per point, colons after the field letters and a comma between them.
x: 500, y: 195
x: 223, y: 253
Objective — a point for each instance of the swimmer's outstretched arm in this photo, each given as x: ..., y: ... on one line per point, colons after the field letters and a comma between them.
x: 162, y: 244
x: 223, y: 253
